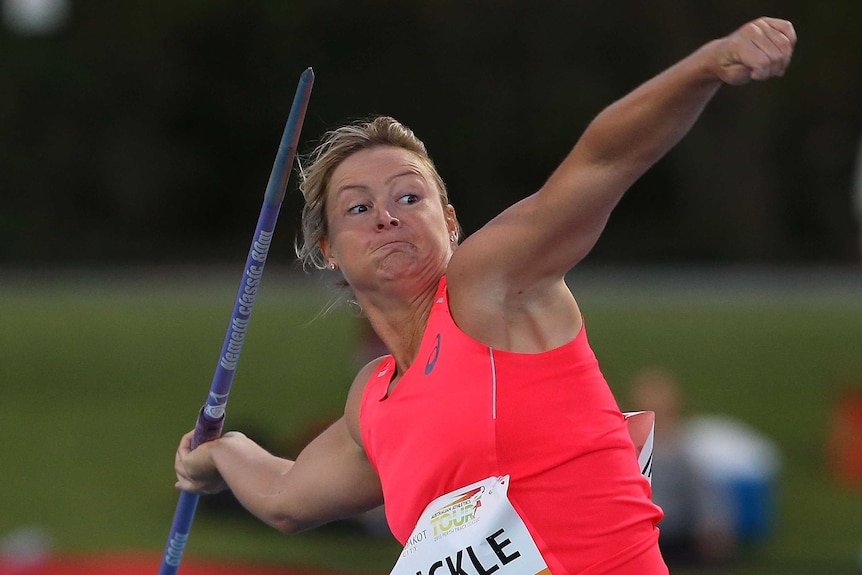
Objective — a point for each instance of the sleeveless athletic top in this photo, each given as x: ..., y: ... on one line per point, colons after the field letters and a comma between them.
x: 465, y: 411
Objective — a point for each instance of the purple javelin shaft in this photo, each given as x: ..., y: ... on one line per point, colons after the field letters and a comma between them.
x: 211, y: 416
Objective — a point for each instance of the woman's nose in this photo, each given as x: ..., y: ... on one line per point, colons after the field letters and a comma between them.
x: 386, y: 219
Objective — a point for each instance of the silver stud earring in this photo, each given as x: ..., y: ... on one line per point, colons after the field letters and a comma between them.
x: 452, y: 238
x: 333, y: 266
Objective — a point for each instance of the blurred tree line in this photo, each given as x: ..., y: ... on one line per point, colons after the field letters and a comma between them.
x: 145, y: 131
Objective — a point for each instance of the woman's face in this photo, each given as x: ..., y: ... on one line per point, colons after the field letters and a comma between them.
x: 386, y: 220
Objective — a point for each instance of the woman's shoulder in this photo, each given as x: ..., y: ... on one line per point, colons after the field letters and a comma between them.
x: 353, y: 405
x: 357, y: 388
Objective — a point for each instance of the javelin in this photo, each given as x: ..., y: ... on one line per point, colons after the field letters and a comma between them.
x: 211, y: 416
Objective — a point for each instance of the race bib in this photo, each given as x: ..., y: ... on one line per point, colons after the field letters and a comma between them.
x: 471, y: 531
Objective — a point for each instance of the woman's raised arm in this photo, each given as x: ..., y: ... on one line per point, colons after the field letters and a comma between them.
x: 546, y: 234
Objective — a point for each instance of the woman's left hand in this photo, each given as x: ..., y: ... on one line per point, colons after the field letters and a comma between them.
x: 758, y: 50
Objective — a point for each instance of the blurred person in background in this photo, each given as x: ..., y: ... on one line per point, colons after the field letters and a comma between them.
x: 490, y: 400
x: 697, y: 527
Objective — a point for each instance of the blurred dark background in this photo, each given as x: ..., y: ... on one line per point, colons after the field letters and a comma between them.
x: 145, y: 132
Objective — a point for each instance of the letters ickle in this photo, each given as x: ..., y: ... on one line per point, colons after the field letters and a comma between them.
x: 473, y: 530
x: 456, y: 565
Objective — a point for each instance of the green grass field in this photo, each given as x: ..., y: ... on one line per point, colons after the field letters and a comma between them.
x: 101, y: 375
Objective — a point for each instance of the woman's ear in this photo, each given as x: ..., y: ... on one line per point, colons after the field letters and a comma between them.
x: 325, y: 249
x: 452, y: 221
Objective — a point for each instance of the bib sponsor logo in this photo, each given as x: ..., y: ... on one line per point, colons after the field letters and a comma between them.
x: 457, y: 514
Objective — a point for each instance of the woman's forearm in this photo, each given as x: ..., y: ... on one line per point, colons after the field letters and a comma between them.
x: 256, y: 478
x: 637, y: 130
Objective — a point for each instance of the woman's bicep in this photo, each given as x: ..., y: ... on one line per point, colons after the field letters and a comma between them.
x: 331, y: 479
x: 333, y: 473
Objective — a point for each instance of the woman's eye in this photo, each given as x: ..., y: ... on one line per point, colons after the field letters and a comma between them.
x: 409, y: 199
x: 357, y: 209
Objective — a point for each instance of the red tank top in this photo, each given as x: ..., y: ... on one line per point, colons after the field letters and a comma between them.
x: 464, y: 412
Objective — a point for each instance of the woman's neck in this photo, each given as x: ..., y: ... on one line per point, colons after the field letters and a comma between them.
x: 399, y: 321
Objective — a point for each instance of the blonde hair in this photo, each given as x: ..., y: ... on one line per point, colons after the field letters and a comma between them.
x: 335, y: 147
